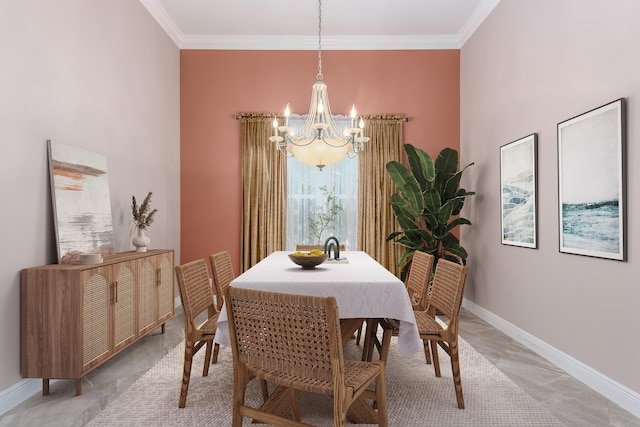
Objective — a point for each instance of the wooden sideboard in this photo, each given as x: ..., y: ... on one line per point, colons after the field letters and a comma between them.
x: 76, y: 317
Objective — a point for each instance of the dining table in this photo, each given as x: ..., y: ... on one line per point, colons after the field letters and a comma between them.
x: 363, y: 288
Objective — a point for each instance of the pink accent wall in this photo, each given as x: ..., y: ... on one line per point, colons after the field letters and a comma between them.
x: 216, y: 85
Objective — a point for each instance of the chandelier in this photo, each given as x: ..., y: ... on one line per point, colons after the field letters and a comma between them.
x: 320, y: 143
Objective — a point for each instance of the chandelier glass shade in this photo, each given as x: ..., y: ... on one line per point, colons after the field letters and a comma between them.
x: 320, y: 143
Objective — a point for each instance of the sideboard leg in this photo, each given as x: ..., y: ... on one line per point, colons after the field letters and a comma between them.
x: 45, y: 386
x: 163, y: 327
x: 78, y: 386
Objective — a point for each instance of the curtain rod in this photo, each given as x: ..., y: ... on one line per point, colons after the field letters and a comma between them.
x: 239, y: 116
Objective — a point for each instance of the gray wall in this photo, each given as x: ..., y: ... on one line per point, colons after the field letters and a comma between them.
x: 100, y: 75
x: 531, y: 65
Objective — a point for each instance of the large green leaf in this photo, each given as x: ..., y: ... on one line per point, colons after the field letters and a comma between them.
x: 427, y: 237
x: 407, y: 185
x: 445, y: 211
x: 450, y: 240
x: 430, y: 220
x: 393, y: 235
x: 458, y: 251
x: 422, y: 165
x: 405, y: 255
x: 432, y: 201
x: 451, y: 186
x: 405, y: 216
x: 406, y: 242
x: 447, y: 161
x: 461, y: 195
x: 415, y: 235
x: 456, y: 222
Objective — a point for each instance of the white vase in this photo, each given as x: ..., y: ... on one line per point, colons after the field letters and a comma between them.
x: 141, y: 240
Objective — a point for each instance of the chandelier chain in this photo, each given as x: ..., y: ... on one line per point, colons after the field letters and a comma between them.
x: 320, y: 142
x: 319, y: 76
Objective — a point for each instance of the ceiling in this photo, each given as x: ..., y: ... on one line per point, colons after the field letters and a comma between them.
x: 293, y: 24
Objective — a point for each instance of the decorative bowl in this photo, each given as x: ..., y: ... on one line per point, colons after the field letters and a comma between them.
x: 308, y: 262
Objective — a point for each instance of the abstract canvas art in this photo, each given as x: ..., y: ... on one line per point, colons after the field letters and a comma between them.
x: 591, y: 182
x: 518, y: 192
x: 81, y: 202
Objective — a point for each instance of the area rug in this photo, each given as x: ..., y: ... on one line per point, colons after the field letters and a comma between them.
x: 416, y: 397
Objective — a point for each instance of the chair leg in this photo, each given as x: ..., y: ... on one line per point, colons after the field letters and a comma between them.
x: 186, y: 372
x: 434, y: 354
x: 295, y: 404
x: 340, y: 408
x: 358, y: 334
x: 386, y: 343
x: 366, y: 346
x: 239, y: 388
x: 381, y: 398
x: 455, y: 370
x: 207, y: 359
x: 216, y: 349
x: 427, y: 354
x: 265, y: 390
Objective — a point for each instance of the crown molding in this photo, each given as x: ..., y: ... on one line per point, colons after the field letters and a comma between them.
x: 161, y: 16
x: 477, y: 18
x: 311, y: 42
x: 246, y: 42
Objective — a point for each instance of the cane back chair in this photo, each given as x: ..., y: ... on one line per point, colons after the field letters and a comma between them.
x: 295, y: 342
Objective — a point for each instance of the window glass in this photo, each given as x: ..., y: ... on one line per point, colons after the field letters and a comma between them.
x: 311, y: 192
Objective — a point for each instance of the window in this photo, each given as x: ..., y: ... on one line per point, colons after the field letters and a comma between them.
x: 308, y: 189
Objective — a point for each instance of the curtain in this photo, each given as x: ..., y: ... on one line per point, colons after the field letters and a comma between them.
x: 264, y: 191
x: 375, y: 189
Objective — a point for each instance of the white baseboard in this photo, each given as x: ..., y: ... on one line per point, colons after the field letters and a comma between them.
x: 612, y: 390
x: 18, y: 393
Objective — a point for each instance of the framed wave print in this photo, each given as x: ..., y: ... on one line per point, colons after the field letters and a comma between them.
x: 518, y: 189
x: 592, y: 182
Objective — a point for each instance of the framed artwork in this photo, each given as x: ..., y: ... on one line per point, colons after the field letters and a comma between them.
x: 592, y: 182
x: 81, y: 202
x: 518, y: 189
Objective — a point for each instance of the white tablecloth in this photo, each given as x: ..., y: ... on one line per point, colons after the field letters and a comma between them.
x: 363, y: 289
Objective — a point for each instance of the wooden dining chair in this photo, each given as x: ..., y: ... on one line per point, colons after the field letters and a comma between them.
x: 445, y: 300
x: 419, y: 279
x: 418, y: 285
x: 295, y: 342
x: 222, y: 272
x: 195, y: 294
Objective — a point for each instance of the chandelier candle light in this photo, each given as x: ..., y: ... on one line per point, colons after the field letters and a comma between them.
x: 320, y: 143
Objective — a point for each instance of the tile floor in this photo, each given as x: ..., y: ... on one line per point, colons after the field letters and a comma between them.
x: 568, y: 399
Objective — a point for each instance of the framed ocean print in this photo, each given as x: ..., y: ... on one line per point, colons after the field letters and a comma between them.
x: 518, y: 190
x: 81, y: 202
x: 592, y: 182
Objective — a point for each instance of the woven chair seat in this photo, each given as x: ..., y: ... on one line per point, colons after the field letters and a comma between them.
x: 357, y: 374
x: 210, y: 325
x: 426, y: 324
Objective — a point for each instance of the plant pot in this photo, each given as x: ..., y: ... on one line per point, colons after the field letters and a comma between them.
x: 141, y: 240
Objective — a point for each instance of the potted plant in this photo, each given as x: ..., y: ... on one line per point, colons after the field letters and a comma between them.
x: 428, y: 204
x: 142, y: 218
x: 325, y: 214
